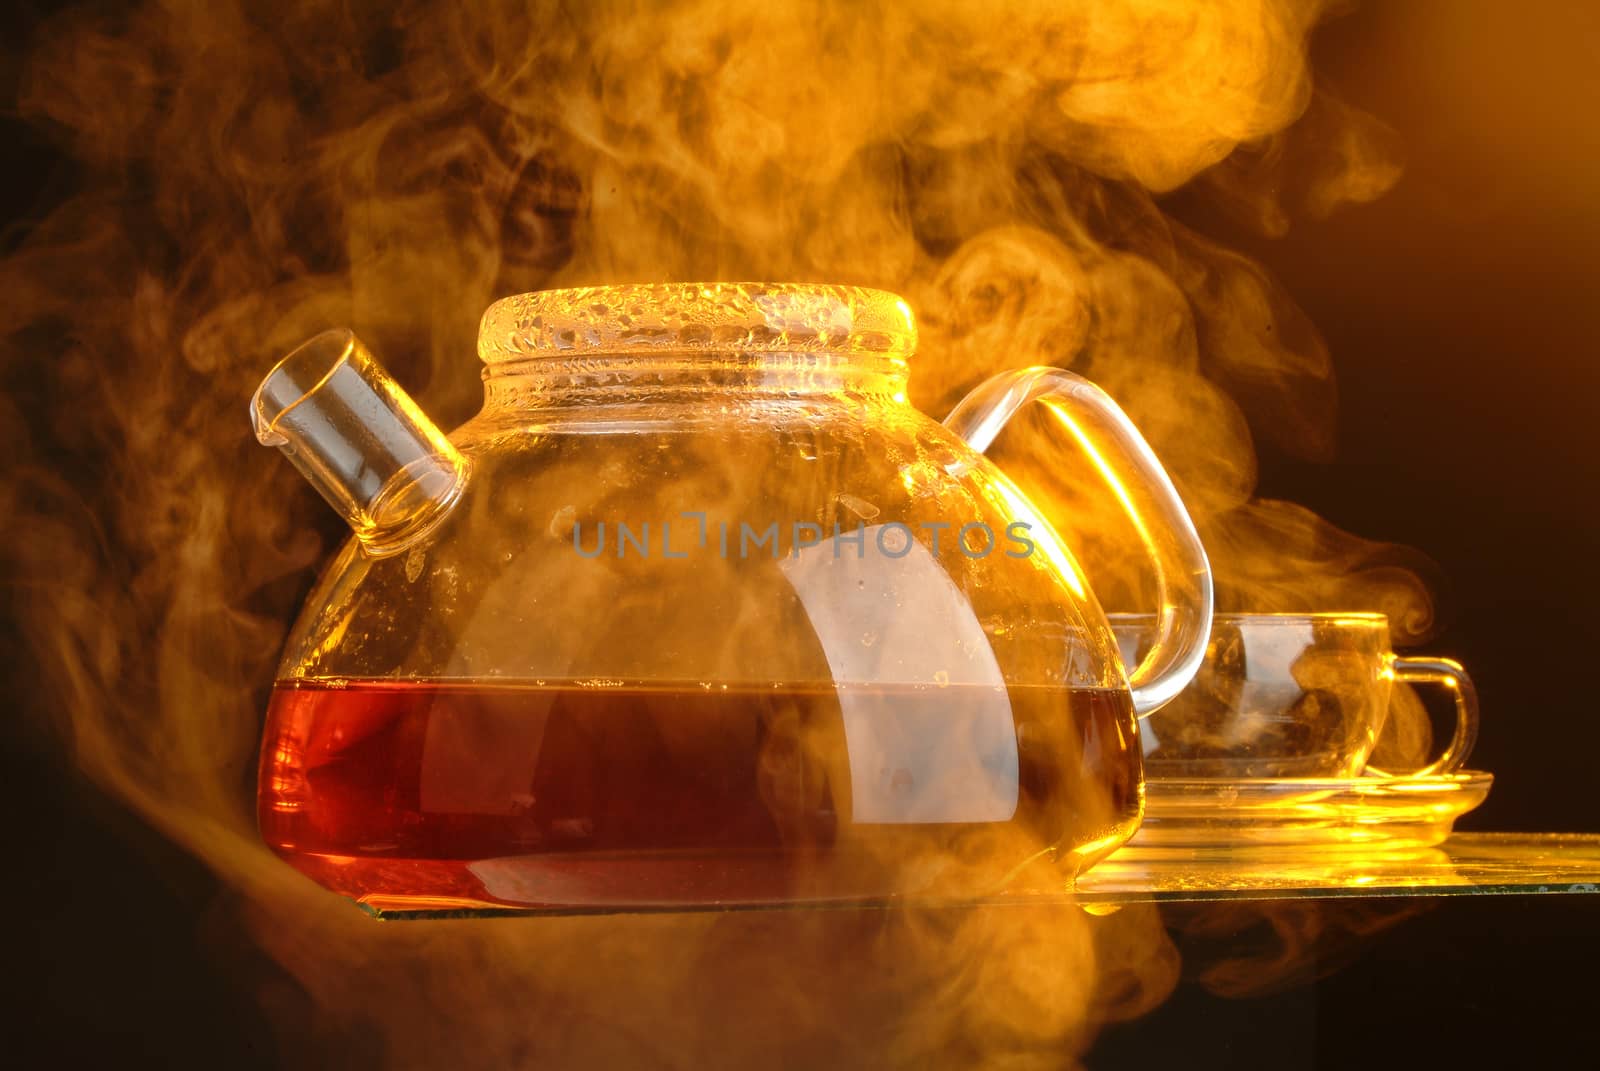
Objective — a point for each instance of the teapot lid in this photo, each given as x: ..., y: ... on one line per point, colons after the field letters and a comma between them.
x: 698, y: 317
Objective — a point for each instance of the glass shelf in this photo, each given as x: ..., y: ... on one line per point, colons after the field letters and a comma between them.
x: 1467, y: 864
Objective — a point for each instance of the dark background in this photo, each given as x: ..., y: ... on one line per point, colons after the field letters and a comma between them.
x: 1459, y: 312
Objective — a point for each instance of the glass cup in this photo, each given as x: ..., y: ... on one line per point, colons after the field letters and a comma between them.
x: 1291, y: 696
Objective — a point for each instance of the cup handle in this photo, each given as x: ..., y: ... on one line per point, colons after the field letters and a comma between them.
x: 1130, y: 469
x: 1451, y: 675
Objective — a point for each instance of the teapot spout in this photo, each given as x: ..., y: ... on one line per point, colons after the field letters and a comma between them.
x: 360, y: 440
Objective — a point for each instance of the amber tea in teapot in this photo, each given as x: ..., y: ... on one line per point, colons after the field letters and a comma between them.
x: 698, y: 611
x: 581, y: 783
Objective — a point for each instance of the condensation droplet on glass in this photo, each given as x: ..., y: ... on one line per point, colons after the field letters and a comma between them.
x: 859, y: 506
x: 868, y: 639
x: 942, y: 678
x: 561, y: 522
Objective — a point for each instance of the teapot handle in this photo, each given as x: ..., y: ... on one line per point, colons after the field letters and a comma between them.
x: 1130, y: 468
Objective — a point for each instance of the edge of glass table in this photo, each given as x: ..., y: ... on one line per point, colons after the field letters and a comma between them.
x: 1466, y: 864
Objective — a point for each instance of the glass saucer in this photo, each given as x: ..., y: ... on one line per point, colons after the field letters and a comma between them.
x: 1309, y: 815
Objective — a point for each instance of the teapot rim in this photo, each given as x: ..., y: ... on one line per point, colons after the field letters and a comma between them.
x: 685, y: 318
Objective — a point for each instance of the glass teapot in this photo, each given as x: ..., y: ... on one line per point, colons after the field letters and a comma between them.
x: 698, y: 610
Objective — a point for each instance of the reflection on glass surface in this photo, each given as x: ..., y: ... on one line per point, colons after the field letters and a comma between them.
x: 886, y: 612
x: 1468, y: 864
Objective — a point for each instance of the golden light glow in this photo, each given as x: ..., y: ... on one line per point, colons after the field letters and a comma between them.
x: 1107, y: 471
x: 1044, y: 537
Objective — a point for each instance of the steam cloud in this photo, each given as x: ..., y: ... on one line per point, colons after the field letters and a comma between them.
x: 249, y: 173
